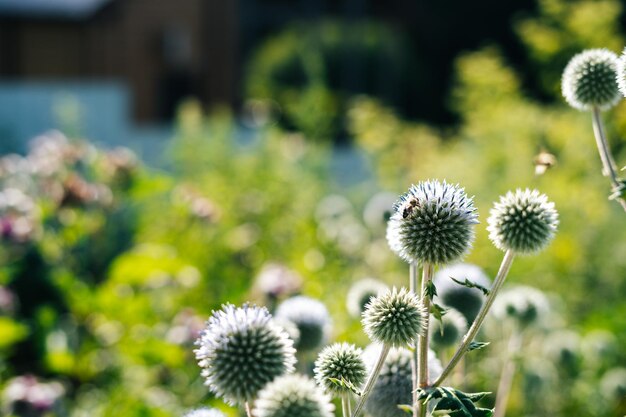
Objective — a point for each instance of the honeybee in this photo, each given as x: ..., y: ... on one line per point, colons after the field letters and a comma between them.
x: 408, y: 206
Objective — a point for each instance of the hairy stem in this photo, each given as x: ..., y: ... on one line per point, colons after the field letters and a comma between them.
x: 413, y: 281
x: 371, y: 380
x: 427, y: 276
x: 506, y: 377
x: 505, y: 266
x: 609, y: 167
x: 248, y: 411
x: 345, y: 404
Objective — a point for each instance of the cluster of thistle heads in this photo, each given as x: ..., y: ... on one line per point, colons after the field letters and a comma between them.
x: 248, y: 356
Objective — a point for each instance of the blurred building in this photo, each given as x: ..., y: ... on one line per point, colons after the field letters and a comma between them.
x: 163, y: 50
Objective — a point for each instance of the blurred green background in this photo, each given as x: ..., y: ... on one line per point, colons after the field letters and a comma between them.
x: 112, y: 260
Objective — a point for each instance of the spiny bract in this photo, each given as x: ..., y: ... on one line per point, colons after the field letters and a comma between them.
x: 310, y: 316
x: 590, y: 80
x: 467, y: 301
x: 432, y: 223
x: 241, y: 350
x: 361, y: 292
x: 395, y: 318
x: 394, y: 384
x: 293, y: 396
x: 341, y: 361
x: 449, y: 330
x: 523, y: 221
x: 204, y: 412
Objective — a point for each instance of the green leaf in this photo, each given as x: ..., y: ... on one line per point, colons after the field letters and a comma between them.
x: 347, y: 385
x: 406, y: 407
x: 438, y: 312
x: 618, y: 191
x: 476, y: 346
x: 430, y: 291
x: 456, y: 403
x: 469, y: 284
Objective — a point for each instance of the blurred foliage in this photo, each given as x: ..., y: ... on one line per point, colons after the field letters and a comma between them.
x: 311, y: 70
x: 109, y: 268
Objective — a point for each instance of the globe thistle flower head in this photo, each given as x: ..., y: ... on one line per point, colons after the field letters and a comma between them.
x: 525, y: 305
x: 467, y: 301
x: 204, y: 412
x: 621, y: 73
x: 613, y: 384
x: 310, y: 317
x: 449, y: 330
x: 394, y: 384
x: 293, y: 396
x: 341, y: 361
x: 432, y: 223
x: 241, y: 350
x: 590, y: 79
x: 523, y: 221
x: 361, y: 292
x: 395, y: 318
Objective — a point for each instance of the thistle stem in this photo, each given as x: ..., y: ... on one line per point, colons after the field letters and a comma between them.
x: 427, y: 276
x: 608, y: 163
x: 248, y: 411
x: 505, y: 266
x: 506, y: 377
x: 414, y: 360
x: 371, y: 380
x: 345, y: 404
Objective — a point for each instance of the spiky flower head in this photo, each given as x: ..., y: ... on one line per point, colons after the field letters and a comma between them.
x: 293, y: 396
x: 241, y: 350
x: 432, y: 223
x: 205, y: 412
x: 621, y: 73
x: 523, y: 304
x: 310, y: 316
x: 395, y: 318
x: 343, y: 362
x: 467, y: 301
x: 590, y: 80
x: 360, y: 294
x: 394, y: 384
x: 523, y: 221
x: 449, y: 330
x: 613, y: 384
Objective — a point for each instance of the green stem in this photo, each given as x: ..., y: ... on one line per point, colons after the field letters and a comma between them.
x: 345, y: 404
x: 506, y: 377
x: 248, y: 411
x: 505, y: 266
x: 414, y: 361
x: 609, y: 167
x: 371, y: 380
x: 427, y: 276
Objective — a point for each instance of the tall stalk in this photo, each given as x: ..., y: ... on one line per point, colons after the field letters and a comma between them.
x: 345, y: 404
x: 508, y: 372
x: 422, y: 343
x: 609, y: 167
x: 414, y: 360
x: 369, y: 385
x: 505, y: 266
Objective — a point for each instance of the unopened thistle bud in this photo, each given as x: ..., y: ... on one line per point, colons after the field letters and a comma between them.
x: 241, y: 350
x: 432, y: 223
x: 310, y: 317
x: 341, y: 362
x: 523, y: 221
x: 293, y: 396
x: 395, y: 318
x: 525, y: 305
x: 590, y: 80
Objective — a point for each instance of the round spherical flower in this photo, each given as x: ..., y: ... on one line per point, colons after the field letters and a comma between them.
x: 241, y: 350
x: 205, y: 412
x: 449, y: 330
x: 293, y: 396
x: 523, y: 221
x: 343, y: 362
x: 590, y: 80
x: 310, y: 317
x: 621, y: 73
x: 467, y: 301
x: 360, y: 294
x: 395, y: 318
x: 432, y: 223
x: 613, y: 384
x: 394, y: 384
x: 525, y: 305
